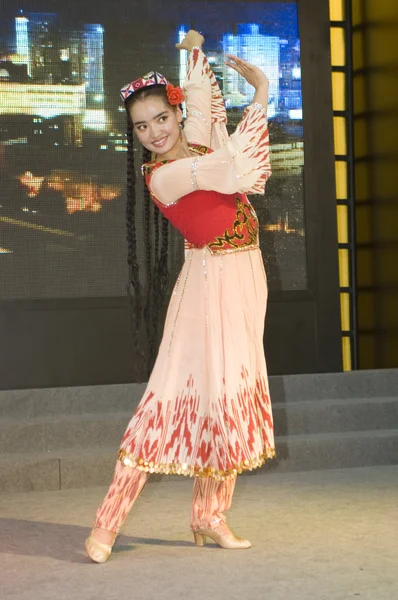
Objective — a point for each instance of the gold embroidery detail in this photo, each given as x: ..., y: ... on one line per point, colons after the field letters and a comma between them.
x: 198, y: 149
x: 243, y: 233
x: 195, y: 470
x: 225, y: 251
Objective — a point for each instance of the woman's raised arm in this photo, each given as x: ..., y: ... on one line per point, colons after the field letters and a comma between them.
x: 240, y: 165
x: 205, y: 105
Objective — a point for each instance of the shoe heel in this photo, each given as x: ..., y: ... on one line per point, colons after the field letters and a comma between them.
x: 200, y: 539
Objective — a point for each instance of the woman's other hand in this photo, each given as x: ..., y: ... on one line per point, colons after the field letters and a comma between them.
x: 192, y: 38
x: 253, y: 75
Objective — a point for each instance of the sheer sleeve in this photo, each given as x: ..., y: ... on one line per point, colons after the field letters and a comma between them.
x: 206, y: 114
x: 241, y: 165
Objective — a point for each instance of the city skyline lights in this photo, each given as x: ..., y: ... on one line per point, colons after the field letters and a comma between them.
x: 263, y: 51
x: 63, y: 136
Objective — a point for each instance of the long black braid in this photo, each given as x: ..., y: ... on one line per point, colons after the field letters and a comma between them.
x: 148, y: 267
x: 148, y: 301
x: 134, y: 284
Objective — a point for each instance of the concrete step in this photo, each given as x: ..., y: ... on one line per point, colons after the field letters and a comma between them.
x: 125, y: 397
x: 56, y: 402
x: 94, y: 466
x: 292, y: 418
x: 328, y: 416
x: 49, y: 433
x: 324, y: 386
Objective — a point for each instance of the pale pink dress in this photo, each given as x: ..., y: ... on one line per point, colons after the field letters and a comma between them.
x: 206, y: 410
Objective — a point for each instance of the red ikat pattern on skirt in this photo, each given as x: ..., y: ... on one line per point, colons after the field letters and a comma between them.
x: 179, y: 436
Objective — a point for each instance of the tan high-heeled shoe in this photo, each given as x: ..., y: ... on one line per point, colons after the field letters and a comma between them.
x: 224, y: 538
x: 98, y: 551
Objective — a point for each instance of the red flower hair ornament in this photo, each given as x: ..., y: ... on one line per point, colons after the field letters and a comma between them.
x: 175, y: 95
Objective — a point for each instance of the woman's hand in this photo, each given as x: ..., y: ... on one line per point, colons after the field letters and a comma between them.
x: 192, y: 38
x: 253, y: 75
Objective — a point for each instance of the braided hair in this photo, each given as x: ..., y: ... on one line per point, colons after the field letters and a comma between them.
x: 146, y: 299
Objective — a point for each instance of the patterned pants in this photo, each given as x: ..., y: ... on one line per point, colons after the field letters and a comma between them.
x: 210, y: 499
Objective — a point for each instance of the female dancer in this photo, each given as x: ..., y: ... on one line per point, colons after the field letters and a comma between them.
x: 206, y: 411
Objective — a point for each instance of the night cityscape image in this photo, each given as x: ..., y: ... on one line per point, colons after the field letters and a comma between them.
x: 63, y: 141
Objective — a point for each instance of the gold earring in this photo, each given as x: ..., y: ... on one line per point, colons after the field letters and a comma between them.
x: 181, y: 126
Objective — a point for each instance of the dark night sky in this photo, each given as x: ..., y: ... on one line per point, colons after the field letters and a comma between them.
x: 150, y: 18
x: 140, y: 34
x: 155, y: 13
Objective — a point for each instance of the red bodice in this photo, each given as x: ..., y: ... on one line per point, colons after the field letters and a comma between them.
x: 223, y: 222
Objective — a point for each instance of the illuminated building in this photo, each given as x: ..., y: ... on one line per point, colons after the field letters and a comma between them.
x: 22, y: 41
x: 44, y: 101
x: 41, y: 99
x: 71, y: 60
x: 93, y: 57
x: 183, y: 66
x: 290, y: 81
x: 259, y: 50
x: 42, y: 38
x: 94, y: 64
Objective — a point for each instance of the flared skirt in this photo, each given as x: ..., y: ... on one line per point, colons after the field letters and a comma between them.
x: 206, y: 410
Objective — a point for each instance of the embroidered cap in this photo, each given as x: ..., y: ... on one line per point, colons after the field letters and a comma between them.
x: 151, y: 78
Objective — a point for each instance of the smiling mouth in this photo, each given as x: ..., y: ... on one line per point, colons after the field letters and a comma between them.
x: 160, y: 143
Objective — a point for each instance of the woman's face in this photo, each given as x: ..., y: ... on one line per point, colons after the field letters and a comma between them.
x: 156, y: 124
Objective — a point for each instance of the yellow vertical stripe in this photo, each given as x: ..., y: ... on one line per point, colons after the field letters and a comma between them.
x: 339, y: 83
x: 345, y: 300
x: 347, y: 364
x: 336, y: 10
x: 341, y: 180
x: 337, y: 46
x: 344, y: 267
x: 340, y: 135
x: 342, y: 224
x: 338, y: 91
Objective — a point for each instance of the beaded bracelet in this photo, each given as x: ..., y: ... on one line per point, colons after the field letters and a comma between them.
x: 194, y: 166
x: 259, y: 106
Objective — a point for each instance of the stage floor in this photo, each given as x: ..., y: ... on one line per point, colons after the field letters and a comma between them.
x: 320, y: 535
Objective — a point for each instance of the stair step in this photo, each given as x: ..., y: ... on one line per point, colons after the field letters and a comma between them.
x: 334, y: 386
x: 292, y: 418
x: 336, y: 450
x: 67, y: 401
x: 68, y: 437
x: 125, y: 397
x: 323, y: 416
x: 94, y: 466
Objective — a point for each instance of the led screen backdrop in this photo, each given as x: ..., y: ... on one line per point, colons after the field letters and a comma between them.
x: 62, y: 132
